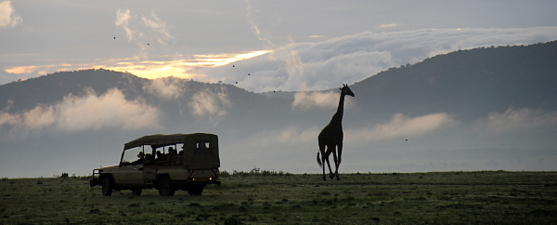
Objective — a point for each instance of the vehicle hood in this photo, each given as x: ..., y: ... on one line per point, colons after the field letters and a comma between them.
x: 109, y: 168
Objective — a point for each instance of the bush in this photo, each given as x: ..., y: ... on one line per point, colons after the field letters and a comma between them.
x: 256, y: 171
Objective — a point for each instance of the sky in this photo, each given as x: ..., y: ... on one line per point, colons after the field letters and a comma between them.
x: 264, y: 46
x: 286, y: 45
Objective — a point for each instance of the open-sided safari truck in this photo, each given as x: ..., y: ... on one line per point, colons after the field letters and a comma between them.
x: 166, y: 162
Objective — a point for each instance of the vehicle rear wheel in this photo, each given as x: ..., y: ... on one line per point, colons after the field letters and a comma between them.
x: 196, y: 189
x: 107, y: 186
x: 137, y: 191
x: 165, y: 187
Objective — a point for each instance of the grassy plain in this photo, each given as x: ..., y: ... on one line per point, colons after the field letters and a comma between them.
x: 492, y: 197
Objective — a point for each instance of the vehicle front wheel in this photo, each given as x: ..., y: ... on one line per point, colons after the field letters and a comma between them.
x: 107, y: 186
x: 165, y: 187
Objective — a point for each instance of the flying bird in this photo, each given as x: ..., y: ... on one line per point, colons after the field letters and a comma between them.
x: 248, y: 74
x: 147, y: 43
x: 114, y: 37
x: 232, y: 65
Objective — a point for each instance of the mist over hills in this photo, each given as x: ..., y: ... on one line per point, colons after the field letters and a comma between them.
x: 478, y: 109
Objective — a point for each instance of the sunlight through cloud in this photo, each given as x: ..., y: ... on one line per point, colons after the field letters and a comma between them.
x: 150, y: 69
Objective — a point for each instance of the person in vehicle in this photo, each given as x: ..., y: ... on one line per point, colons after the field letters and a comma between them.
x: 141, y: 157
x: 171, y: 153
x: 160, y: 156
x: 149, y: 159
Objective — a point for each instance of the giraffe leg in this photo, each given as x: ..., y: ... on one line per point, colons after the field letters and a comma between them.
x: 335, y: 158
x: 330, y: 170
x: 329, y: 150
x: 324, y: 177
x: 337, y: 163
x: 321, y: 159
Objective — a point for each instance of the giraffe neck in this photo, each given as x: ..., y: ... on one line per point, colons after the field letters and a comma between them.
x: 337, y: 118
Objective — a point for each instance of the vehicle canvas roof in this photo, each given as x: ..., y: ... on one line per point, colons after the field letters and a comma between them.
x: 193, y: 157
x: 159, y: 140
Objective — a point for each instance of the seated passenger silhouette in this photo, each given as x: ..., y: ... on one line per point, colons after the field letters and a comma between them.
x: 141, y: 157
x: 171, y: 153
x: 149, y: 159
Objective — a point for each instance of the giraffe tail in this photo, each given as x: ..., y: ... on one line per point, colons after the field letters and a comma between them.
x: 319, y: 160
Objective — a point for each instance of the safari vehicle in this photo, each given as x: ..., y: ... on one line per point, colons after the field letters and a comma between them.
x: 166, y: 162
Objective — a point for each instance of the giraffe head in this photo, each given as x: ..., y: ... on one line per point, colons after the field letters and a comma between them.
x: 345, y: 90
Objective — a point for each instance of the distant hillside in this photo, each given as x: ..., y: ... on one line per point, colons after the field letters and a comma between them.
x: 467, y: 83
x: 51, y: 88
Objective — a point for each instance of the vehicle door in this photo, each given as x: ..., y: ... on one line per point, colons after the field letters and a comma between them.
x: 131, y: 167
x: 149, y: 173
x: 149, y: 168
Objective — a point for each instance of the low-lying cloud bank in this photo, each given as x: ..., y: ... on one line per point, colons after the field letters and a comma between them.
x: 167, y: 87
x: 88, y: 112
x: 351, y: 58
x: 308, y: 100
x: 512, y: 120
x: 210, y: 105
x: 401, y: 126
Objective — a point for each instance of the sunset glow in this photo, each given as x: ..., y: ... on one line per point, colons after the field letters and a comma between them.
x: 150, y: 69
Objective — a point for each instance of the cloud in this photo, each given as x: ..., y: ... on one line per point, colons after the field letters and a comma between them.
x: 144, y: 31
x: 251, y: 21
x: 308, y: 100
x: 210, y: 105
x: 150, y: 69
x: 22, y: 69
x: 167, y: 87
x: 87, y: 112
x: 297, y: 135
x: 290, y: 59
x: 401, y: 126
x: 352, y: 58
x: 35, y: 118
x: 522, y: 120
x: 389, y: 25
x: 8, y: 16
x: 280, y: 136
x: 122, y: 18
x: 157, y: 26
x: 287, y: 56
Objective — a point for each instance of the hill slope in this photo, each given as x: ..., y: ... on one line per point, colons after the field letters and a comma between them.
x: 467, y: 83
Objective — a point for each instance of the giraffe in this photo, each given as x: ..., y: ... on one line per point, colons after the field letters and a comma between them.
x: 331, y: 137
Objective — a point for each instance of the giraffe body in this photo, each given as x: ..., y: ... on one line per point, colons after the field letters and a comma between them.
x: 330, y: 140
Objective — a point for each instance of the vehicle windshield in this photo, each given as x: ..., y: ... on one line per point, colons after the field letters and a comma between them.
x: 134, y: 156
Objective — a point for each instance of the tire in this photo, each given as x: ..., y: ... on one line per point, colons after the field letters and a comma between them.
x: 137, y: 191
x: 195, y: 189
x: 165, y: 187
x: 107, y: 186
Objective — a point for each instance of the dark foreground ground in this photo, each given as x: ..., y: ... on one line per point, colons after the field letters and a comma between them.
x: 485, y: 197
